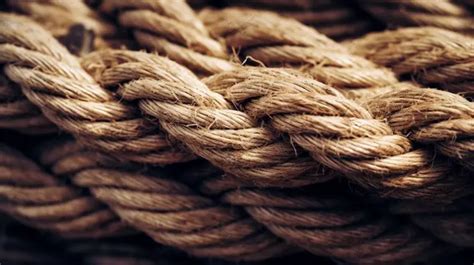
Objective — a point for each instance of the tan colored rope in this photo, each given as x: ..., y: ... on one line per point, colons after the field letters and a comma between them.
x: 208, y: 124
x: 431, y: 56
x: 171, y: 28
x: 448, y: 14
x: 17, y: 113
x: 53, y: 80
x: 43, y: 201
x: 59, y: 16
x: 168, y: 211
x: 275, y: 41
x: 328, y: 222
x: 333, y: 18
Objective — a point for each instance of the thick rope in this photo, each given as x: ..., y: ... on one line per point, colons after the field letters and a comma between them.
x: 42, y: 201
x: 58, y: 17
x: 330, y: 223
x: 18, y: 113
x: 431, y: 56
x: 453, y: 15
x: 273, y: 40
x: 168, y: 211
x: 171, y: 28
x: 209, y: 125
x: 335, y: 19
x: 53, y: 80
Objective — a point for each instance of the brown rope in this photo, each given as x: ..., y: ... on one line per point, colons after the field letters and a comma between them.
x: 431, y: 56
x: 449, y: 14
x: 43, y: 201
x: 53, y: 80
x: 330, y: 223
x: 333, y: 18
x: 168, y: 211
x: 171, y: 28
x: 19, y: 114
x: 58, y: 17
x: 451, y: 223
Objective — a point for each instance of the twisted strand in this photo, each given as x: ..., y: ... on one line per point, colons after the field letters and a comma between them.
x: 42, y: 201
x: 335, y: 19
x: 330, y: 225
x: 17, y: 113
x: 53, y: 80
x: 166, y: 210
x: 448, y: 14
x: 276, y: 41
x: 67, y: 14
x: 171, y: 28
x: 209, y: 125
x: 431, y: 56
x: 431, y: 116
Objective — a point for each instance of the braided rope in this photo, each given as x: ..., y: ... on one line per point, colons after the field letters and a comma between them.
x: 449, y: 14
x: 66, y: 15
x: 168, y: 211
x: 53, y: 80
x: 42, y: 201
x: 328, y: 222
x: 335, y: 19
x: 171, y: 28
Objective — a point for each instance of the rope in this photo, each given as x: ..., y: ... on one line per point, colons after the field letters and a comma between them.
x: 44, y: 202
x: 168, y: 211
x: 53, y: 80
x: 453, y: 15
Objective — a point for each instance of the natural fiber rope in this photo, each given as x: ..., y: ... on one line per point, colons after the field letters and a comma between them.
x: 449, y: 14
x: 433, y: 57
x: 335, y: 19
x: 166, y: 210
x: 19, y: 114
x: 329, y: 223
x: 171, y: 28
x: 52, y: 79
x: 59, y: 16
x: 45, y: 202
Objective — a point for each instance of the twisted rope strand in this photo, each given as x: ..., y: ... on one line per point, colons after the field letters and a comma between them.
x: 331, y: 225
x: 166, y: 210
x: 53, y: 80
x: 171, y: 28
x: 208, y: 124
x: 42, y: 201
x: 452, y: 15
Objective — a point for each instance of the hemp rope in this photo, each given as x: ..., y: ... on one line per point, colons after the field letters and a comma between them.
x: 431, y: 56
x: 451, y: 223
x: 66, y: 15
x: 19, y: 114
x: 168, y: 211
x: 452, y: 15
x: 40, y: 200
x: 328, y: 223
x: 333, y: 18
x: 171, y: 28
x: 53, y: 80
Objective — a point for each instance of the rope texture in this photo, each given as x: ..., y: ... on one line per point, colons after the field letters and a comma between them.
x: 40, y: 200
x: 455, y: 15
x: 53, y: 80
x: 168, y: 211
